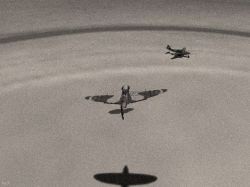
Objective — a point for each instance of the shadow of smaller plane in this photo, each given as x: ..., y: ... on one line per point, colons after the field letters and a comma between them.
x: 127, y: 97
x: 125, y: 179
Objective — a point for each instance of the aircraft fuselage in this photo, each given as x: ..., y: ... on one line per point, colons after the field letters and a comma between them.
x: 125, y: 178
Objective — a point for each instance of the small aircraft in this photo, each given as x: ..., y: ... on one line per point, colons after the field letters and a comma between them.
x: 177, y: 53
x: 125, y: 179
x: 126, y: 98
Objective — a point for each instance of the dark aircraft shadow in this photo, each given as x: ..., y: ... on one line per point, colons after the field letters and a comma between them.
x: 118, y: 111
x: 125, y: 180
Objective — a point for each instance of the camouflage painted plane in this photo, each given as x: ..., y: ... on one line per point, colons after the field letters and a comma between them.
x: 126, y: 97
x: 177, y: 53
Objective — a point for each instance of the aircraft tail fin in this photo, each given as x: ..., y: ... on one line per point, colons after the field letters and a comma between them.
x: 168, y: 47
x: 125, y: 170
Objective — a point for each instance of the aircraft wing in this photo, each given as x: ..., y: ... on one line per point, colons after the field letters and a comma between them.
x: 149, y: 93
x: 175, y: 56
x: 135, y: 101
x: 101, y: 98
x: 170, y: 49
x: 125, y: 180
x: 139, y: 179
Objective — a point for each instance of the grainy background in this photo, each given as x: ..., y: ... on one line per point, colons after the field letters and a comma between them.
x: 196, y: 134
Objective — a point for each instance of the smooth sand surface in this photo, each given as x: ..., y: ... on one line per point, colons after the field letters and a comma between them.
x: 195, y: 134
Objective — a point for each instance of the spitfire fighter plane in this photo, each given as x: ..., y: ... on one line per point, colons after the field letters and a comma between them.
x: 126, y: 98
x: 125, y: 179
x: 177, y: 53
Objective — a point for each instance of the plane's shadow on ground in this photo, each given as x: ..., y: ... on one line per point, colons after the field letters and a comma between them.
x: 125, y: 179
x: 118, y: 111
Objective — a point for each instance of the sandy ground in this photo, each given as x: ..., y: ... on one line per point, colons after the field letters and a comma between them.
x: 195, y: 134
